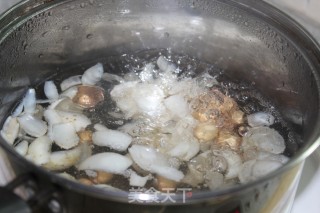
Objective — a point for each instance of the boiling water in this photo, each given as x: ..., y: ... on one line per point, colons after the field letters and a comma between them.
x: 129, y: 66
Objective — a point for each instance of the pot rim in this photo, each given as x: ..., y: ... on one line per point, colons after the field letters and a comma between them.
x: 20, y: 12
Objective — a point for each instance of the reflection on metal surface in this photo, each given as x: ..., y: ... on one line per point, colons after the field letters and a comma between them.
x: 6, y: 173
x: 309, y: 186
x: 5, y: 4
x: 306, y: 12
x: 269, y: 63
x: 282, y: 199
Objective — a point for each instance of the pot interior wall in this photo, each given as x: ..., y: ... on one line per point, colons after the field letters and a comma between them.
x: 247, y: 44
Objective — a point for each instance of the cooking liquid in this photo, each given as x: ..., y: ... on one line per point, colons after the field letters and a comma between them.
x: 129, y: 66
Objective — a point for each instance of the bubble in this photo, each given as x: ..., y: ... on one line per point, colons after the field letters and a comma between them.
x: 67, y: 27
x: 89, y: 36
x: 44, y: 33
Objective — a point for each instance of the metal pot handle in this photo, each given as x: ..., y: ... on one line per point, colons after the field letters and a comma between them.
x: 37, y: 199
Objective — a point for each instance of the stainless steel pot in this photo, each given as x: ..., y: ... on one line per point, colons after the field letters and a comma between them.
x: 250, y: 40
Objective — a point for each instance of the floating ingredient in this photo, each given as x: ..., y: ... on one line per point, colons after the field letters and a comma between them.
x: 102, y: 177
x: 88, y: 96
x: 108, y: 162
x: 70, y: 82
x: 112, y: 138
x: 32, y: 125
x: 260, y: 119
x: 137, y: 180
x: 39, y: 150
x: 22, y: 148
x: 92, y: 75
x: 50, y: 90
x: 61, y: 160
x: 10, y: 130
x: 65, y: 135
